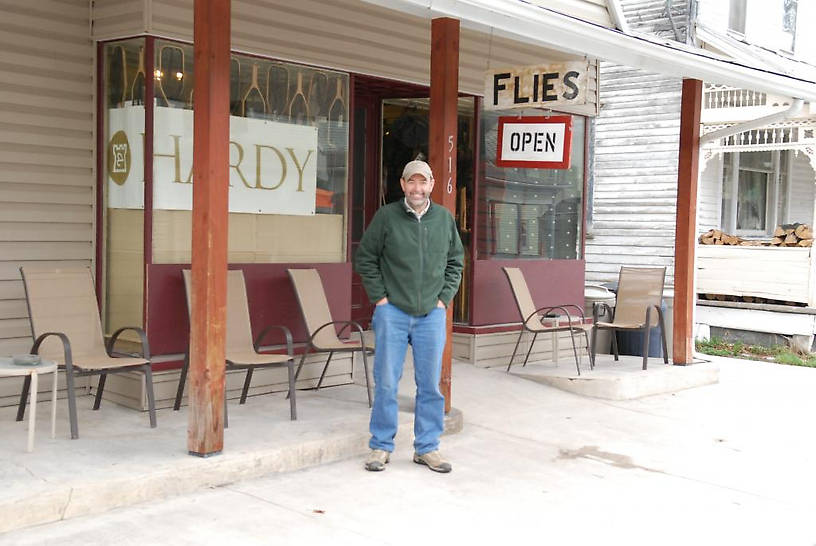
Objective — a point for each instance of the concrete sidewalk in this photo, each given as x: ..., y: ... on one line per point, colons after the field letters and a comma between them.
x: 726, y: 454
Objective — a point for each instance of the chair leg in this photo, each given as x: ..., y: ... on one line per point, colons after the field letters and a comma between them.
x: 247, y: 381
x: 521, y: 333
x: 646, y: 332
x: 589, y: 352
x: 663, y: 335
x: 368, y: 383
x: 614, y: 334
x: 100, y: 387
x: 530, y: 350
x: 72, y: 409
x: 574, y: 351
x: 302, y: 360
x: 292, y: 406
x: 151, y: 398
x: 182, y: 380
x: 23, y: 398
x: 592, y: 350
x: 226, y: 414
x: 323, y: 373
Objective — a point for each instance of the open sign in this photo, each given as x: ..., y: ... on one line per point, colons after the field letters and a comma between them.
x: 534, y: 142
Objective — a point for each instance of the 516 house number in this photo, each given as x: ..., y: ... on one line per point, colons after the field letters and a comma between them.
x: 450, y: 164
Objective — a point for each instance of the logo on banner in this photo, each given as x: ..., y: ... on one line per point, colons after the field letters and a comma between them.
x: 534, y: 142
x: 119, y: 157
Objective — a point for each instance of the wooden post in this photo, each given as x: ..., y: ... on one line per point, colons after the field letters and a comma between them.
x: 684, y: 239
x: 211, y: 34
x: 442, y: 144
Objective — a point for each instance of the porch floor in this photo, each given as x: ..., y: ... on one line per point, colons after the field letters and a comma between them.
x: 621, y: 380
x: 119, y: 460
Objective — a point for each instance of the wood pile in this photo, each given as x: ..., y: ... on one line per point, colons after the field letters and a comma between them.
x: 799, y: 235
x: 792, y: 235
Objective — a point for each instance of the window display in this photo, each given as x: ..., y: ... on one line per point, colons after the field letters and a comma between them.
x: 529, y: 213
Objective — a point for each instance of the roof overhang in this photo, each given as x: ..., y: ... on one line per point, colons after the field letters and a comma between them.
x: 529, y: 23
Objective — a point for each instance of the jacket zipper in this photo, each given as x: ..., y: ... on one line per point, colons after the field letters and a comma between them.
x: 421, y: 265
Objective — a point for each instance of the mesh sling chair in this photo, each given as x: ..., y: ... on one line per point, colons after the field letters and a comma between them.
x: 533, y: 319
x: 241, y: 352
x: 640, y: 291
x: 65, y: 324
x: 320, y: 326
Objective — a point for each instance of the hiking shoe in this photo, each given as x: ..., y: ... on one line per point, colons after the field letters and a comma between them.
x: 377, y: 460
x: 434, y: 461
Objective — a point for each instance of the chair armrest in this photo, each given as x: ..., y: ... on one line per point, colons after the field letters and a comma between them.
x: 347, y: 324
x: 563, y: 308
x: 66, y: 346
x: 286, y: 332
x: 142, y: 336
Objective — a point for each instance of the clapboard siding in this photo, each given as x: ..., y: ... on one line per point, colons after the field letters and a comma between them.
x: 46, y: 148
x: 355, y: 36
x: 709, y: 200
x: 802, y: 190
x: 118, y: 18
x: 636, y: 145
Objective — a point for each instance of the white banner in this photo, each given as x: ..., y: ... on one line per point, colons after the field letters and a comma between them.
x: 273, y: 166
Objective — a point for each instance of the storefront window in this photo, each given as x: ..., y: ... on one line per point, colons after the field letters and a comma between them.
x: 530, y: 213
x: 288, y: 160
x: 123, y: 112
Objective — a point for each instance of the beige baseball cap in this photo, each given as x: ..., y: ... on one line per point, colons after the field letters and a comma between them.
x: 417, y: 167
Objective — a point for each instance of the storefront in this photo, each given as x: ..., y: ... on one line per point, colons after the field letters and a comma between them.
x: 315, y: 149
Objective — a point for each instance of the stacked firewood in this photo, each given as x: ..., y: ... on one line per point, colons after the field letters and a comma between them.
x: 784, y: 235
x: 717, y: 237
x: 792, y: 235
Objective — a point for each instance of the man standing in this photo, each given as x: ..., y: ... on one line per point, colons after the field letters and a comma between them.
x: 410, y: 262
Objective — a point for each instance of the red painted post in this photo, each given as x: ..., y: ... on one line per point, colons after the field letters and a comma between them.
x: 685, y: 239
x: 211, y: 34
x: 442, y: 143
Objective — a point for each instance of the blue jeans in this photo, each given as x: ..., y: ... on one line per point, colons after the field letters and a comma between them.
x: 393, y: 331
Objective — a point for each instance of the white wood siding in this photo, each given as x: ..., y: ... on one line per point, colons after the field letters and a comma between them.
x: 709, y: 195
x: 636, y: 149
x: 802, y: 190
x: 635, y: 192
x: 649, y: 16
x: 46, y: 148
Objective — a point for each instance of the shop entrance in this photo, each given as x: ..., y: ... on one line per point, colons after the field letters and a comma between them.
x: 390, y: 128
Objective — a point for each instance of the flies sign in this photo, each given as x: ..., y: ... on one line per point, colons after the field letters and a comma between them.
x: 541, y: 86
x: 534, y: 142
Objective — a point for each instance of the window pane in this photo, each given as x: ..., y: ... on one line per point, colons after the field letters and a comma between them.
x: 530, y: 213
x: 727, y: 194
x: 288, y: 157
x: 751, y: 200
x: 756, y: 161
x: 123, y: 110
x: 736, y: 16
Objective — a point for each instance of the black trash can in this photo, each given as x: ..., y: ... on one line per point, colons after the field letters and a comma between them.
x: 630, y: 342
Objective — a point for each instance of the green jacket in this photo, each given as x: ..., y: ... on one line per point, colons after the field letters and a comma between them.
x: 413, y: 262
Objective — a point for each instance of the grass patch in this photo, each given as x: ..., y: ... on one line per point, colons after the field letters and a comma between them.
x: 738, y: 349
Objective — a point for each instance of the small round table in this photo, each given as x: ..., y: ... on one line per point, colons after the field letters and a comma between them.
x: 8, y: 369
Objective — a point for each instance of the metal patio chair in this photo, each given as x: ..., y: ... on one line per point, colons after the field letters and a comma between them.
x: 241, y: 351
x: 547, y: 319
x: 640, y: 289
x: 66, y: 328
x: 323, y: 338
